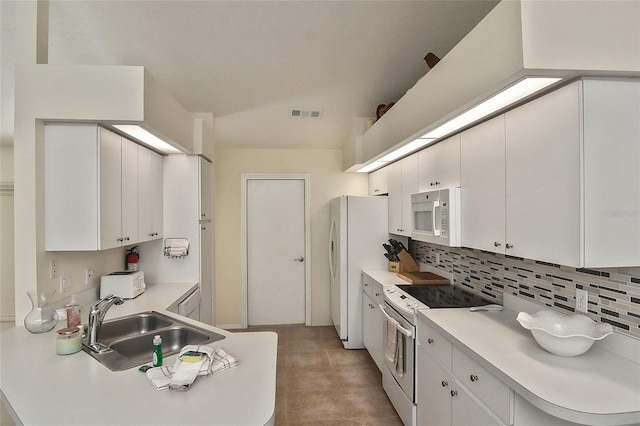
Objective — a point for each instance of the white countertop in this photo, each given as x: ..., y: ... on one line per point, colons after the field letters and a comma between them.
x: 597, y: 387
x: 47, y: 389
x: 385, y: 277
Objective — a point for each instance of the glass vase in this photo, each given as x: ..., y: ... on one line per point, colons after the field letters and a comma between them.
x: 42, y: 317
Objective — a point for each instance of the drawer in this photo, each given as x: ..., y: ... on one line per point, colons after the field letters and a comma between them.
x: 485, y: 386
x: 367, y: 285
x: 435, y: 343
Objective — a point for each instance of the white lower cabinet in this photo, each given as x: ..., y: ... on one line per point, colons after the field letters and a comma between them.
x: 452, y: 389
x: 373, y: 320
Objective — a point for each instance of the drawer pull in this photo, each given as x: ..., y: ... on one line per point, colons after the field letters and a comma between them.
x: 454, y: 393
x: 444, y: 384
x: 473, y: 378
x: 377, y: 294
x: 429, y: 340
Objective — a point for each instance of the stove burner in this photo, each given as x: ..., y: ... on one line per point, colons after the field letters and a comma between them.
x: 444, y: 296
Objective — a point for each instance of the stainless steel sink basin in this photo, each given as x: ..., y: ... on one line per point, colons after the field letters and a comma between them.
x: 130, y: 339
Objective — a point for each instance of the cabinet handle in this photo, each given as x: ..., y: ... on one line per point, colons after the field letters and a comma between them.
x: 376, y: 190
x: 454, y: 393
x: 509, y: 246
x: 120, y: 240
x: 496, y: 244
x: 444, y: 384
x: 127, y: 238
x: 473, y: 378
x: 371, y: 306
x: 377, y: 294
x: 366, y: 285
x: 429, y: 340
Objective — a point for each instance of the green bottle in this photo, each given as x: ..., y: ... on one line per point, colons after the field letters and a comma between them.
x: 157, y: 351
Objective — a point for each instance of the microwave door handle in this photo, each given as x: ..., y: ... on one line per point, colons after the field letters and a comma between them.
x: 436, y: 207
x: 402, y: 330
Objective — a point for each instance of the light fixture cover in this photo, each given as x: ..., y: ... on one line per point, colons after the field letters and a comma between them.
x: 144, y: 136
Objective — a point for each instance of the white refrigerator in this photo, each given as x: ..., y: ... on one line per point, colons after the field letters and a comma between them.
x: 358, y: 228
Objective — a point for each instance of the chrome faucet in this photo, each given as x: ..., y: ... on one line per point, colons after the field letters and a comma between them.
x: 96, y: 316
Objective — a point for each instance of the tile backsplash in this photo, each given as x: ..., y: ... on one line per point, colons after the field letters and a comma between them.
x: 614, y: 294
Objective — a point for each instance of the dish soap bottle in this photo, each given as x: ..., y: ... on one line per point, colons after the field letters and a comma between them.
x: 157, y: 350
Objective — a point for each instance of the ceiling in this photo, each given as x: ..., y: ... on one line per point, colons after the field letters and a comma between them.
x: 250, y: 62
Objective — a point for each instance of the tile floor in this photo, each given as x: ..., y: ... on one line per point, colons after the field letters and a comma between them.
x: 321, y: 383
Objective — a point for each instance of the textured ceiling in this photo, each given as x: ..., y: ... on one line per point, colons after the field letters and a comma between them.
x: 250, y: 62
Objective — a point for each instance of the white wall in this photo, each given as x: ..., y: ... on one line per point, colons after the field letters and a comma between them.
x: 327, y: 182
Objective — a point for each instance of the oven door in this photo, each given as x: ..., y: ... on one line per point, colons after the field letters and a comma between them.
x: 399, y: 347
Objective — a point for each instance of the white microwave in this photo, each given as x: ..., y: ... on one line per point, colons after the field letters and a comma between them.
x: 436, y: 217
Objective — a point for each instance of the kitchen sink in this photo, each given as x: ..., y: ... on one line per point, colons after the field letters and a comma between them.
x: 130, y: 339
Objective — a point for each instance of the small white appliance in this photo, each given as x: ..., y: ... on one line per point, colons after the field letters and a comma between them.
x: 358, y: 228
x: 125, y: 284
x: 436, y: 217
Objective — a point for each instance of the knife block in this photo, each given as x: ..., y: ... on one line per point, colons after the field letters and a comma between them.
x: 395, y: 267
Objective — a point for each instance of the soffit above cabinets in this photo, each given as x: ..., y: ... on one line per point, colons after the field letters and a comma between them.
x: 517, y: 39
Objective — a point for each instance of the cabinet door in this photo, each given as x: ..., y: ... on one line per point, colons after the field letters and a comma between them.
x: 110, y: 189
x: 465, y: 411
x: 543, y: 178
x: 611, y: 173
x: 145, y: 195
x: 157, y: 198
x: 373, y: 332
x: 129, y: 192
x: 378, y: 182
x: 483, y: 186
x: 395, y: 198
x: 439, y: 165
x: 206, y: 198
x: 409, y: 187
x: 433, y: 392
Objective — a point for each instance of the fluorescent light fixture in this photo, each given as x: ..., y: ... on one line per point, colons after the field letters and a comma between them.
x: 147, y: 138
x: 520, y: 90
x: 508, y: 96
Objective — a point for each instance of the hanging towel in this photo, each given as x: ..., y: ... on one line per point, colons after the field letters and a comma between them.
x: 392, y: 340
x: 399, y: 359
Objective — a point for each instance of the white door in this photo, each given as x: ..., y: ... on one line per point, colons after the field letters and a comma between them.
x: 276, y: 274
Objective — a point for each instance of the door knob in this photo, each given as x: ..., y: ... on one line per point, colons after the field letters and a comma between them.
x: 299, y: 259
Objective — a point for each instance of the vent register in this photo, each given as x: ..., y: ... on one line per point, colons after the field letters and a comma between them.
x: 305, y: 113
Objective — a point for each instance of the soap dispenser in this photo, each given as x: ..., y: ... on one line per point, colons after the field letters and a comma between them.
x: 157, y: 350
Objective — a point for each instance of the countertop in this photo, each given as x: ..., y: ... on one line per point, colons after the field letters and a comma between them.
x: 43, y: 388
x: 598, y: 387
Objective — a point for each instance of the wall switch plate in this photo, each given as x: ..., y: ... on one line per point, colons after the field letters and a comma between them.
x: 582, y: 300
x: 65, y: 283
x: 437, y: 258
x: 88, y: 275
x: 53, y: 269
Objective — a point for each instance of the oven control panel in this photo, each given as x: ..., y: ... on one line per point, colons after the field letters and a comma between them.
x: 401, y: 300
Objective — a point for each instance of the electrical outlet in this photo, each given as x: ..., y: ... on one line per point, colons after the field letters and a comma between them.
x: 582, y: 300
x: 53, y: 269
x: 88, y: 273
x: 65, y: 283
x: 437, y: 258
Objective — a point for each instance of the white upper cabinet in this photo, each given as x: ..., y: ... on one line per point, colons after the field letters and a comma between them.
x: 403, y: 181
x: 483, y: 186
x: 91, y: 189
x: 439, y: 165
x: 543, y: 178
x: 558, y: 179
x: 379, y: 182
x: 150, y: 213
x: 206, y: 200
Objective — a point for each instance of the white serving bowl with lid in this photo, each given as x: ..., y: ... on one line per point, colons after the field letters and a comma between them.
x: 564, y: 335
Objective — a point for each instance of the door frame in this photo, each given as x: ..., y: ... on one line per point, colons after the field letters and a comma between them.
x: 245, y: 177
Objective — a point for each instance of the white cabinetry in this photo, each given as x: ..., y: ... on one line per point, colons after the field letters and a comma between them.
x: 379, y: 181
x: 451, y: 389
x: 537, y: 181
x: 403, y: 181
x: 149, y: 194
x: 439, y: 165
x: 373, y: 320
x: 91, y: 188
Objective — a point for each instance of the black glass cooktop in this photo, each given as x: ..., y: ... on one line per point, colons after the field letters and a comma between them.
x: 444, y: 296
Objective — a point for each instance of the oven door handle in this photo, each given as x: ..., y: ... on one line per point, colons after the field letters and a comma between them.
x: 402, y: 330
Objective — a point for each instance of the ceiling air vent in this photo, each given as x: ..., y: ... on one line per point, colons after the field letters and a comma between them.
x: 305, y: 113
